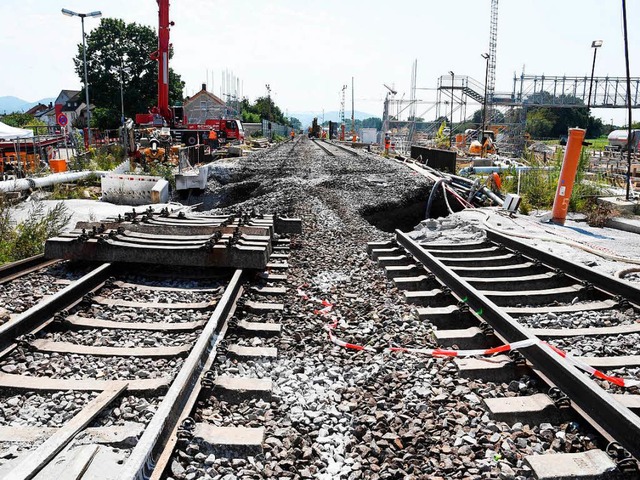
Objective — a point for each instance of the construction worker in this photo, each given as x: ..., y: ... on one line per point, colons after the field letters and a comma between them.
x: 387, y: 142
x: 293, y: 135
x: 214, y: 143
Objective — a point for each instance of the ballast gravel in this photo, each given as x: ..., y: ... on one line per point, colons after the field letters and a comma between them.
x: 343, y: 414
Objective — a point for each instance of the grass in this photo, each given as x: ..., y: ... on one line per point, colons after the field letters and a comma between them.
x: 25, y: 239
x: 538, y: 189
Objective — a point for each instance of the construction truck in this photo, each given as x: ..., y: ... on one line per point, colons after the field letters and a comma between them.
x: 315, y: 130
x: 229, y: 130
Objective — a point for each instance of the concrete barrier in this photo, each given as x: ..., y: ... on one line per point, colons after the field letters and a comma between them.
x: 127, y: 189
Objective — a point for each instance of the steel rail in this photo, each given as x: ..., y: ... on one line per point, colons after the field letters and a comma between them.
x: 18, y: 269
x: 343, y: 148
x: 326, y: 150
x: 617, y: 421
x: 32, y: 318
x: 607, y: 283
x: 144, y: 456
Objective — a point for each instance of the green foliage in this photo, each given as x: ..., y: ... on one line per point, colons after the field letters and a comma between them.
x: 371, y: 122
x: 164, y: 170
x: 278, y: 138
x: 17, y: 119
x: 263, y: 107
x: 250, y: 117
x: 541, y: 122
x: 101, y: 159
x: 295, y: 123
x: 111, y: 45
x: 27, y: 237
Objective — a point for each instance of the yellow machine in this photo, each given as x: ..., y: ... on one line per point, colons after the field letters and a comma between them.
x: 476, y: 148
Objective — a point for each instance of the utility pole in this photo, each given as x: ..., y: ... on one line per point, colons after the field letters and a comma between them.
x: 353, y: 122
x: 626, y: 60
x: 451, y: 119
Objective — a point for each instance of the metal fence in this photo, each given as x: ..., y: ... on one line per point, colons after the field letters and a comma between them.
x: 269, y: 129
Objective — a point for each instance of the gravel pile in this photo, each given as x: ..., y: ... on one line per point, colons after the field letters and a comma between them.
x: 360, y: 415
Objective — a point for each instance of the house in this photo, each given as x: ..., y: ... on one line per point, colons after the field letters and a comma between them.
x: 202, y: 106
x: 38, y: 109
x: 68, y: 102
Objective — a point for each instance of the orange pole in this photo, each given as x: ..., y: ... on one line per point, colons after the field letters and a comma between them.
x: 567, y: 175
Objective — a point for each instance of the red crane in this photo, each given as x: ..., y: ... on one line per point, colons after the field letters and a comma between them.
x: 162, y: 57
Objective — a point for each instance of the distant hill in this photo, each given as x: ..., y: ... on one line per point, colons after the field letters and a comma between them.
x: 15, y: 104
x: 306, y: 118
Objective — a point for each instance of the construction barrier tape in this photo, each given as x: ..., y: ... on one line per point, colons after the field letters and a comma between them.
x: 439, y: 352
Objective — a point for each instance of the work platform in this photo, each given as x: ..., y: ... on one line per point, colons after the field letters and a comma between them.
x: 165, y: 238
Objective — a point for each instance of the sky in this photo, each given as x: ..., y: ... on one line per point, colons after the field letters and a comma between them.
x: 306, y: 51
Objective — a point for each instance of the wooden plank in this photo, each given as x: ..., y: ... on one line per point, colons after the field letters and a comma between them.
x: 41, y: 456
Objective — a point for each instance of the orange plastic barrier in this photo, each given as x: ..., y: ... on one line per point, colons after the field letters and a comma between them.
x: 58, y: 166
x: 567, y: 175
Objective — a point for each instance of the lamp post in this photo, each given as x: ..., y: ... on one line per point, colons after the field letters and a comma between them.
x: 595, y: 45
x: 82, y: 16
x: 484, y: 105
x: 451, y: 126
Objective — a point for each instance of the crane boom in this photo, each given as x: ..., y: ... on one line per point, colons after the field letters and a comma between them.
x: 162, y: 57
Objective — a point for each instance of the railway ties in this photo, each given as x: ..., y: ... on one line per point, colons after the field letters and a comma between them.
x: 130, y: 342
x: 324, y: 146
x: 480, y: 295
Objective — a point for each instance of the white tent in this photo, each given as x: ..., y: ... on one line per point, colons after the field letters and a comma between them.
x: 8, y: 133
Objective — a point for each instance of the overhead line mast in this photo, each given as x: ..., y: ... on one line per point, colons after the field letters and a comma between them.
x: 493, y: 44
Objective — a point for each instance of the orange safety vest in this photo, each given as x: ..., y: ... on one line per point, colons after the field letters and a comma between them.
x: 213, y: 135
x: 293, y: 134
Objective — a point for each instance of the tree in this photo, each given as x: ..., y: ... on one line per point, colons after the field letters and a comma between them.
x: 372, y: 122
x: 295, y: 123
x: 115, y: 44
x: 24, y: 120
x: 262, y: 108
x: 540, y: 123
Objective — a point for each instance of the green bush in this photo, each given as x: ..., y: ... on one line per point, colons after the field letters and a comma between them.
x: 27, y: 238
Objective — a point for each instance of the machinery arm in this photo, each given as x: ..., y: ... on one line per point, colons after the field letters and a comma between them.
x: 162, y: 57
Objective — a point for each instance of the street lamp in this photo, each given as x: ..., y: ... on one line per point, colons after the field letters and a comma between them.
x: 82, y: 16
x: 451, y: 126
x: 484, y: 106
x: 595, y: 45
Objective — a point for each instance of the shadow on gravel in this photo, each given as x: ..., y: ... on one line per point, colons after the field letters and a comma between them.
x: 224, y: 196
x: 388, y: 218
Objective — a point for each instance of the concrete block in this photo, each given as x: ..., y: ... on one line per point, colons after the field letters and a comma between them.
x: 160, y: 192
x: 236, y: 389
x: 252, y: 353
x: 128, y: 189
x: 229, y: 441
x: 591, y: 465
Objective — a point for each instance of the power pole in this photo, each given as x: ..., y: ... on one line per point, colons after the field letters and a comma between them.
x: 342, y: 94
x: 353, y: 122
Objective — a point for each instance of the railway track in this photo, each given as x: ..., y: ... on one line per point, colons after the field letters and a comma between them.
x: 481, y: 297
x: 331, y: 148
x: 128, y: 353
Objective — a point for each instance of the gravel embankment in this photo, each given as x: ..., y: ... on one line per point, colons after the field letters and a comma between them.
x: 358, y: 415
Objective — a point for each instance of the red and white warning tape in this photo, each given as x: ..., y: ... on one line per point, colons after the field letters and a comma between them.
x: 439, y: 352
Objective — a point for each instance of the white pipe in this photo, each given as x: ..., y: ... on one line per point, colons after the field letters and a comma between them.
x: 40, y: 182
